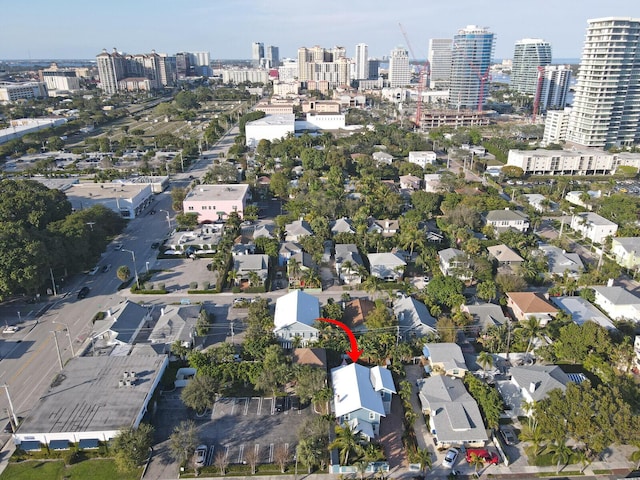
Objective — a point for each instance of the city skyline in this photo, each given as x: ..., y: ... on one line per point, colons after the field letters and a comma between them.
x: 228, y: 29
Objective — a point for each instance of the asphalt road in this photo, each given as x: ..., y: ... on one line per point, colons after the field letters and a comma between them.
x: 28, y: 358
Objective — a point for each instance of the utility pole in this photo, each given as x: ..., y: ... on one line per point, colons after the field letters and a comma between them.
x: 55, y: 338
x: 53, y: 283
x: 13, y: 413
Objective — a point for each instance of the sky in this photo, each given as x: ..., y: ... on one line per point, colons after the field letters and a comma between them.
x: 71, y: 29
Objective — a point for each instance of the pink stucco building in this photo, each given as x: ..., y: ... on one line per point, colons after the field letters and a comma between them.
x: 216, y: 202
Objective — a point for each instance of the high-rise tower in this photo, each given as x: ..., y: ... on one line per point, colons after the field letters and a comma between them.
x: 606, y: 105
x: 440, y: 61
x: 399, y: 72
x: 257, y: 53
x: 470, y: 61
x: 362, y: 61
x: 528, y: 55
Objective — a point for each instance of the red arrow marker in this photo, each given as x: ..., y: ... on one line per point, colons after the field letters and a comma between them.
x: 354, y: 353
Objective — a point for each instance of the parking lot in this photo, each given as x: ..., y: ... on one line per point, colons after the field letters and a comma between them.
x: 238, y: 425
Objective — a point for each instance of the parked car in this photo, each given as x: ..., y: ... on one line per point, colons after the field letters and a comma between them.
x: 117, y: 246
x: 94, y: 270
x: 106, y: 268
x: 200, y: 459
x: 295, y: 403
x: 486, y: 456
x: 155, y: 245
x: 10, y: 329
x: 450, y: 458
x: 508, y: 434
x: 279, y: 404
x: 84, y: 291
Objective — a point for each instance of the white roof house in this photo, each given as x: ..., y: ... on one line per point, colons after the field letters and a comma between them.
x: 445, y: 359
x: 593, y: 226
x: 536, y: 381
x: 297, y: 229
x: 454, y: 416
x: 342, y: 225
x: 560, y: 261
x: 626, y: 250
x: 413, y: 317
x: 361, y: 396
x: 294, y: 317
x: 618, y: 303
x: 387, y: 266
x: 582, y: 311
x: 422, y: 158
x: 502, y: 220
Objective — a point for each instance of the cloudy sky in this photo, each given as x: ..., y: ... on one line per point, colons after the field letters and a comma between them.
x: 38, y: 29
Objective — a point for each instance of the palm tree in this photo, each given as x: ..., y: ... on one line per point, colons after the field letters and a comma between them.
x: 346, y: 267
x: 254, y: 279
x: 361, y: 468
x: 531, y: 328
x: 424, y: 458
x: 476, y: 462
x: 372, y: 285
x: 232, y: 277
x: 346, y: 441
x: 485, y: 359
x: 293, y: 268
x: 532, y: 433
x: 561, y: 453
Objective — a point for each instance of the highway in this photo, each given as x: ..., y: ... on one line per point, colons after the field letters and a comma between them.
x: 29, y: 360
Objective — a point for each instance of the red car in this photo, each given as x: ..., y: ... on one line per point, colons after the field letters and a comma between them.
x: 487, y: 456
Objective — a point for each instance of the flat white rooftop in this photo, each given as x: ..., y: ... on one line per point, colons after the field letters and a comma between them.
x: 221, y: 192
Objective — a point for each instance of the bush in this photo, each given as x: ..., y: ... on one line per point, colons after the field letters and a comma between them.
x: 161, y: 286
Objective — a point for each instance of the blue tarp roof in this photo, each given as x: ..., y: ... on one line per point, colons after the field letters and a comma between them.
x: 89, y: 443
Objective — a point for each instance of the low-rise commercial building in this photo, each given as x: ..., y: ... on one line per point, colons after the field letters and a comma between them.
x: 214, y: 203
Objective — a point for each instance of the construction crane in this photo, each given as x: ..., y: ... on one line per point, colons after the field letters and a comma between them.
x: 536, y: 101
x: 422, y: 78
x: 483, y: 77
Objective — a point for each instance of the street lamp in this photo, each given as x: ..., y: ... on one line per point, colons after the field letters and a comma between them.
x: 135, y: 270
x: 73, y: 353
x: 168, y: 218
x: 55, y: 338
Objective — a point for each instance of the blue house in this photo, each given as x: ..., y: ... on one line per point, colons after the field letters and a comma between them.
x: 362, y: 396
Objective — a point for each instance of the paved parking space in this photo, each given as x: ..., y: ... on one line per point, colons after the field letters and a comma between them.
x: 240, y: 425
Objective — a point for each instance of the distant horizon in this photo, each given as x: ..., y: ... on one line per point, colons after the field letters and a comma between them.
x: 70, y: 30
x: 554, y: 61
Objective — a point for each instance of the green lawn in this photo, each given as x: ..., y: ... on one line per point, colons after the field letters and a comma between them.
x: 99, y: 469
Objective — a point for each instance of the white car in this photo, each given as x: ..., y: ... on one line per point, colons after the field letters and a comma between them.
x: 94, y: 270
x: 450, y: 458
x: 201, y: 456
x: 10, y: 329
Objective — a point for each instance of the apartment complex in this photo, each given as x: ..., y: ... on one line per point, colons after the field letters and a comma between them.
x: 606, y: 107
x: 399, y: 72
x: 555, y: 126
x: 440, y: 61
x: 470, y: 62
x: 323, y: 67
x: 528, y: 56
x: 571, y: 162
x: 12, y: 91
x: 152, y: 70
x: 554, y: 87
